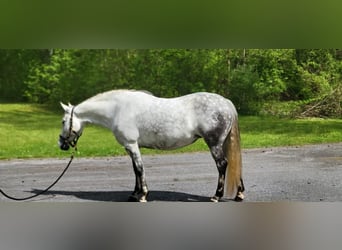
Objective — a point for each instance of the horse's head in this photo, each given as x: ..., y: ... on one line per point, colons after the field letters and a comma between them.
x: 71, y: 128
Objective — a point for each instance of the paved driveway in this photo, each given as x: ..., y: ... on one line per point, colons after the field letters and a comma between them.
x: 309, y: 173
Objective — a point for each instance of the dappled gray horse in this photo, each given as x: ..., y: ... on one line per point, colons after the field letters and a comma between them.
x: 139, y: 119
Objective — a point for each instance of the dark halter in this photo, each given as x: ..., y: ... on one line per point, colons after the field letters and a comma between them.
x: 66, y: 140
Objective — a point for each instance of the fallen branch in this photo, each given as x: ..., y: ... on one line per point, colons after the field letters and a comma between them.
x: 324, y: 107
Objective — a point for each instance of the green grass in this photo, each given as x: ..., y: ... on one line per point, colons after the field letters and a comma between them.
x: 28, y: 131
x: 269, y: 131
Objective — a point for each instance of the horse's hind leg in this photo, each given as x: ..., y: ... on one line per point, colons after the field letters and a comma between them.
x: 239, y: 196
x: 140, y: 182
x: 221, y: 164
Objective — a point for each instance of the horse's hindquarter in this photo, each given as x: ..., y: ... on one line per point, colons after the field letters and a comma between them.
x: 213, y: 111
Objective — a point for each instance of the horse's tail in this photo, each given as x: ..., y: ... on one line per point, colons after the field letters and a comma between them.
x: 233, y: 181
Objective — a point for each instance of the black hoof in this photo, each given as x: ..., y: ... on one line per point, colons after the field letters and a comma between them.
x: 133, y: 198
x: 239, y: 197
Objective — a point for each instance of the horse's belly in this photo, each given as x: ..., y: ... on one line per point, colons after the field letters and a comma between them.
x: 166, y: 142
x: 166, y: 130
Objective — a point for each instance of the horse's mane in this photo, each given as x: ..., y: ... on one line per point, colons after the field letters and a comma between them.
x: 107, y: 94
x: 143, y: 91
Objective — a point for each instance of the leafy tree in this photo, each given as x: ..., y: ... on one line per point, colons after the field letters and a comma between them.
x: 316, y: 73
x: 46, y: 78
x: 249, y: 77
x: 14, y: 67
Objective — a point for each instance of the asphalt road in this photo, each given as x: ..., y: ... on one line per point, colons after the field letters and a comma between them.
x: 309, y: 173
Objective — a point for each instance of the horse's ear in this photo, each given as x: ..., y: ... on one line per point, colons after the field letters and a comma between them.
x: 65, y: 107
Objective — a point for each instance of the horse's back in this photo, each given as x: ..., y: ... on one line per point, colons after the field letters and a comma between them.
x: 196, y: 109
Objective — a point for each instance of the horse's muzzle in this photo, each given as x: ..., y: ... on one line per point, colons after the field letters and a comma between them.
x: 64, y: 146
x: 63, y: 143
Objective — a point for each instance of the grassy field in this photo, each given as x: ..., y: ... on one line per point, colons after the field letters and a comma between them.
x: 28, y: 131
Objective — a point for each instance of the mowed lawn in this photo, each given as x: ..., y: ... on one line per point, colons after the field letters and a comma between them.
x: 31, y: 131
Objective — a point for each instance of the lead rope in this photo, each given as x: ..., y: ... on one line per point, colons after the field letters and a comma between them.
x: 45, y: 190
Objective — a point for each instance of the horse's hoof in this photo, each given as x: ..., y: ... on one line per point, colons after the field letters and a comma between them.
x: 143, y: 199
x: 133, y: 198
x: 214, y: 199
x: 239, y: 197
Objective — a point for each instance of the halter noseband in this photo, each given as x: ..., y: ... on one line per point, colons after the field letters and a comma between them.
x: 66, y: 140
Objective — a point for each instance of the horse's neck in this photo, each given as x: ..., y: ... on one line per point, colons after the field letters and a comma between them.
x: 96, y: 112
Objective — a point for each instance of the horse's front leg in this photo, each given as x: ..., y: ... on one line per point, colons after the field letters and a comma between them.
x: 140, y: 182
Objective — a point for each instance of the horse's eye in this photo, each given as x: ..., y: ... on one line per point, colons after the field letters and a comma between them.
x: 63, y: 122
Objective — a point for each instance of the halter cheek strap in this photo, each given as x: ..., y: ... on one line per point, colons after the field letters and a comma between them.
x: 71, y: 131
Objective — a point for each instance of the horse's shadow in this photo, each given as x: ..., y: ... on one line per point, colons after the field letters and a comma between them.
x: 124, y: 196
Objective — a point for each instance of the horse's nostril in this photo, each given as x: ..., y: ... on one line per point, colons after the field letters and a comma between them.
x: 64, y: 146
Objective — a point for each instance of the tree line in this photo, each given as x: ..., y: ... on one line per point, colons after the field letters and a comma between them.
x: 249, y: 77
